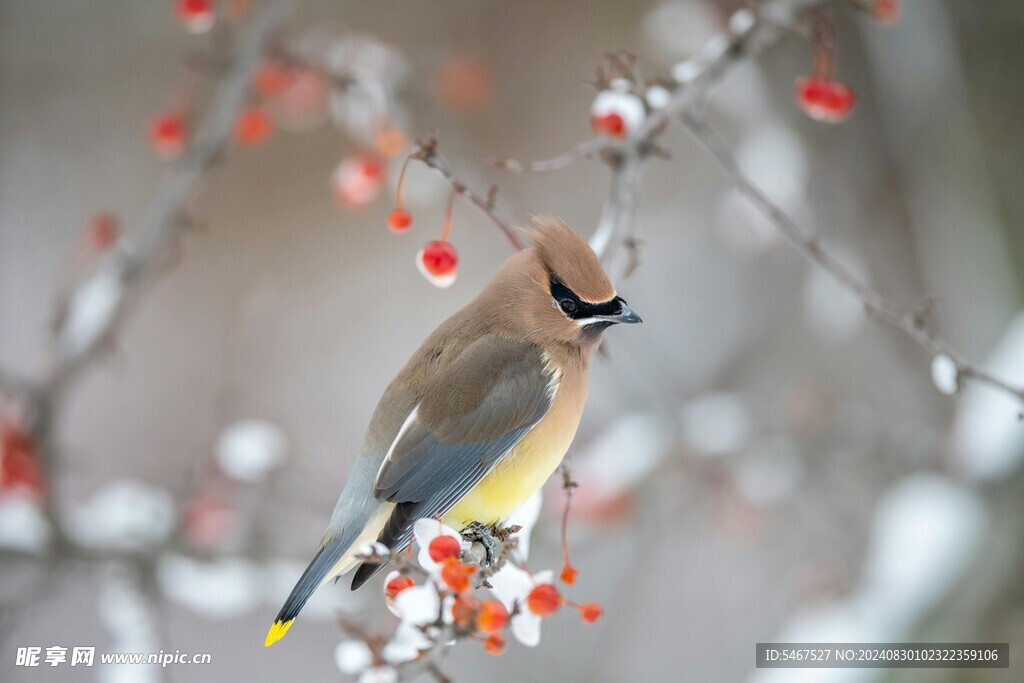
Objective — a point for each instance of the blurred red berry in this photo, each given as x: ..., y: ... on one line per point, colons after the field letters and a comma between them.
x: 19, y: 460
x: 591, y: 612
x: 456, y: 575
x: 609, y: 124
x: 444, y: 547
x: 437, y: 261
x: 495, y: 644
x: 167, y: 135
x: 464, y: 83
x: 102, y: 231
x: 209, y: 521
x: 544, y: 600
x: 197, y: 16
x: 358, y: 180
x: 616, y: 113
x: 492, y: 617
x: 399, y: 220
x: 569, y: 574
x: 397, y: 585
x: 885, y: 11
x: 271, y: 79
x: 253, y: 126
x: 823, y: 99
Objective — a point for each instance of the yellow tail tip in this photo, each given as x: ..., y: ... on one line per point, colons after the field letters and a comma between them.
x: 277, y: 632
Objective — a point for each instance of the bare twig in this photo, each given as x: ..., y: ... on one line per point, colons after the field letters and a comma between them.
x: 875, y: 304
x: 426, y: 151
x: 585, y: 149
x: 619, y: 207
x: 127, y: 271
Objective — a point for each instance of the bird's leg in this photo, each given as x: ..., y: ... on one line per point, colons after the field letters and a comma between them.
x: 482, y: 533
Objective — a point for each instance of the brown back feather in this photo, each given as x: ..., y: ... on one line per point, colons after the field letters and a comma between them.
x: 566, y: 254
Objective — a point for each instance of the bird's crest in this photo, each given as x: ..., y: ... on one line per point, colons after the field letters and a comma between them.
x: 568, y: 257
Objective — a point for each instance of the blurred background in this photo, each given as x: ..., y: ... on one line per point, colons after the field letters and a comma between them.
x: 759, y: 461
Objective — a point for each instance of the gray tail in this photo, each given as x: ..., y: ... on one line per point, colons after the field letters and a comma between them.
x: 322, y: 562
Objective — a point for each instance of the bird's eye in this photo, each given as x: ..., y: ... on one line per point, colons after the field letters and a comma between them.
x: 568, y: 305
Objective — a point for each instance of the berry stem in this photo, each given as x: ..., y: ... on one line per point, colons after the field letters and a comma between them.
x: 448, y: 209
x: 401, y: 182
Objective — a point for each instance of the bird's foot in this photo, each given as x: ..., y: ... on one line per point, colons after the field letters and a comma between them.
x: 477, y: 532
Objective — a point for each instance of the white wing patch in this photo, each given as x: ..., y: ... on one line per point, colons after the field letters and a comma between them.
x: 409, y: 421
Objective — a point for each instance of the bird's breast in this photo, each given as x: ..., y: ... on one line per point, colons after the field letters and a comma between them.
x: 529, y: 464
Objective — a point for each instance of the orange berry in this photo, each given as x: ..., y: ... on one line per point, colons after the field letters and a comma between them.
x: 397, y: 585
x: 399, y: 220
x: 591, y: 612
x: 456, y: 575
x: 462, y: 610
x: 544, y: 600
x: 492, y: 618
x: 495, y: 644
x: 444, y: 547
x: 253, y: 126
x: 569, y: 574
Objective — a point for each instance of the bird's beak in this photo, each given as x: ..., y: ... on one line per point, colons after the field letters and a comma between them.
x: 626, y: 315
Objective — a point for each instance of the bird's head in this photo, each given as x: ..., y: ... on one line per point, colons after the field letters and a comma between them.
x: 557, y: 291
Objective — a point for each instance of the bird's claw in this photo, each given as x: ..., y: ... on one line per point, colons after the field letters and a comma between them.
x: 477, y: 532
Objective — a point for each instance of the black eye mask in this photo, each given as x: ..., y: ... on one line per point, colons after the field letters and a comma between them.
x: 577, y: 309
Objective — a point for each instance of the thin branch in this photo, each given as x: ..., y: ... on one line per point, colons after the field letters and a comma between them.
x: 164, y: 220
x: 585, y: 149
x: 426, y: 152
x: 758, y: 31
x: 877, y: 305
x: 619, y: 208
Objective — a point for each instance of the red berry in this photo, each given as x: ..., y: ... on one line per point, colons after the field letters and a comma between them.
x: 102, y: 231
x: 253, y: 126
x: 437, y: 261
x: 885, y: 11
x: 397, y: 585
x: 196, y: 15
x: 358, y: 180
x: 492, y: 618
x: 444, y: 547
x: 399, y: 220
x: 271, y: 79
x: 495, y: 644
x: 465, y: 83
x: 609, y: 124
x: 167, y: 135
x: 591, y: 612
x: 19, y: 460
x: 544, y: 600
x: 209, y: 521
x: 823, y: 99
x: 569, y: 574
x: 456, y: 575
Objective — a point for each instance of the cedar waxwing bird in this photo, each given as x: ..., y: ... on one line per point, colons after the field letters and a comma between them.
x: 482, y: 413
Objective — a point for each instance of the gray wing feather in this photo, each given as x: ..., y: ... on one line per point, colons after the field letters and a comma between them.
x: 429, y: 469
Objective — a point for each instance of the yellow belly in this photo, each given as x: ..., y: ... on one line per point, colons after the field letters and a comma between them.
x: 520, y: 474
